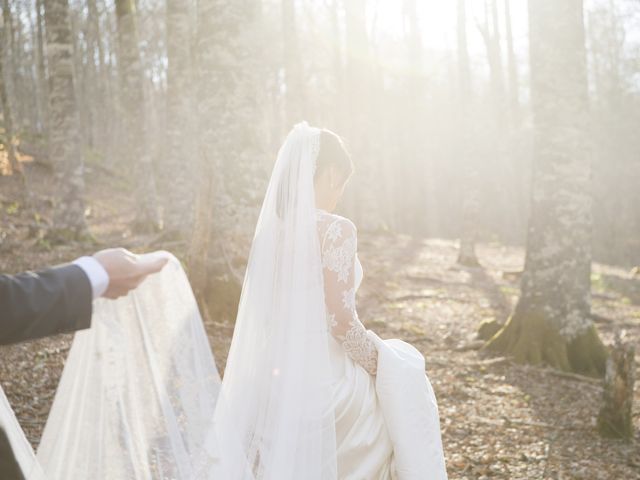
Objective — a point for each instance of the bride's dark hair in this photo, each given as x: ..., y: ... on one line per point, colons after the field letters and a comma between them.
x: 334, y: 153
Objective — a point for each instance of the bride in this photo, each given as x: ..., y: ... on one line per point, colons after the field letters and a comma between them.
x: 308, y: 393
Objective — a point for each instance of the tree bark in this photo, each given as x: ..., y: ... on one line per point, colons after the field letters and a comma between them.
x: 362, y: 203
x: 551, y: 323
x: 43, y: 87
x: 295, y: 108
x: 470, y: 195
x: 64, y: 140
x: 132, y: 108
x: 180, y: 157
x: 229, y: 136
x: 4, y: 99
x: 512, y: 68
x: 616, y: 415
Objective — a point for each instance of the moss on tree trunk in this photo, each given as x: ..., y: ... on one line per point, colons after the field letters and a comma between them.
x: 529, y: 337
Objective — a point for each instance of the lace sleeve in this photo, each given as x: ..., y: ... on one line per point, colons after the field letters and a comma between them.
x: 339, y: 247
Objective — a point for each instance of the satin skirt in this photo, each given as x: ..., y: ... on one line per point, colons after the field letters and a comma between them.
x: 365, y: 451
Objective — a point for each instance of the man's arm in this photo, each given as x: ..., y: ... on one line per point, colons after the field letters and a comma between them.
x: 34, y: 305
x: 59, y: 299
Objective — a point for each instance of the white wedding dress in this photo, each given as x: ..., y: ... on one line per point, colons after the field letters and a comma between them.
x: 308, y: 392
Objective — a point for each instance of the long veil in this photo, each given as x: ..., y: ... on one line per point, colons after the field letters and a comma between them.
x: 136, y: 395
x: 274, y: 418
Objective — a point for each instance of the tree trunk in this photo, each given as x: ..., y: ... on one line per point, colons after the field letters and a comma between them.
x: 132, y: 108
x: 616, y: 416
x: 43, y: 87
x: 467, y: 160
x: 512, y: 68
x: 229, y: 136
x: 551, y: 323
x: 179, y: 163
x: 337, y: 65
x: 362, y: 202
x: 4, y: 100
x: 295, y: 108
x: 64, y: 141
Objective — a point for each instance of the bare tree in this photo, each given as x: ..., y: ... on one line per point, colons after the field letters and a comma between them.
x: 293, y: 79
x: 551, y: 322
x: 4, y: 96
x: 43, y: 90
x: 470, y: 196
x: 64, y: 138
x: 179, y: 165
x: 132, y: 107
x: 228, y: 135
x: 512, y: 68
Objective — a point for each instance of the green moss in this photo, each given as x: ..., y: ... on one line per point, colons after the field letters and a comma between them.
x: 587, y: 353
x: 530, y: 338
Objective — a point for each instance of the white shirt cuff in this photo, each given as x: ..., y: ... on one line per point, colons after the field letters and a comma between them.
x: 98, y: 276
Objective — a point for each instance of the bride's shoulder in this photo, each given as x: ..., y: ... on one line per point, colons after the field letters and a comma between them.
x: 334, y: 222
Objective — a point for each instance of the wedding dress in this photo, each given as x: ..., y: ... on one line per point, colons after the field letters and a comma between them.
x: 308, y: 392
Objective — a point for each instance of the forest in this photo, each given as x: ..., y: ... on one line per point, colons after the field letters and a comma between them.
x: 496, y: 188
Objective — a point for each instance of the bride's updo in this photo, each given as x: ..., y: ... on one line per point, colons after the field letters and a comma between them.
x: 333, y: 153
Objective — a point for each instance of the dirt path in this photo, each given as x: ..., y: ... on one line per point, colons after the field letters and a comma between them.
x: 499, y: 420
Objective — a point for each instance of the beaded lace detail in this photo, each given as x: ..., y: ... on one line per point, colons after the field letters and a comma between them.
x: 339, y: 256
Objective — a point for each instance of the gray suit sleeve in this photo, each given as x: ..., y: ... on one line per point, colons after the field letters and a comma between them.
x: 34, y: 305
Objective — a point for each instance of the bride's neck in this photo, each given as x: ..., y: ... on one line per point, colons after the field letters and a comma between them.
x: 322, y: 204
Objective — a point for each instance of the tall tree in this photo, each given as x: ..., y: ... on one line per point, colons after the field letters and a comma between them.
x: 295, y: 110
x: 64, y: 139
x: 179, y: 162
x: 362, y: 202
x: 229, y: 125
x: 4, y: 95
x: 490, y: 30
x: 512, y: 68
x: 132, y: 107
x: 470, y: 196
x: 43, y: 90
x: 551, y: 322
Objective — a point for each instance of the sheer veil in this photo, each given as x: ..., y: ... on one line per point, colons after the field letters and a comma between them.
x: 136, y: 395
x: 274, y: 418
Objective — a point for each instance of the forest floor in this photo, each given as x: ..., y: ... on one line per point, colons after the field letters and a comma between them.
x: 499, y: 420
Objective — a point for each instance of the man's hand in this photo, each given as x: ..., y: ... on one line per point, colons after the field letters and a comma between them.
x: 127, y: 270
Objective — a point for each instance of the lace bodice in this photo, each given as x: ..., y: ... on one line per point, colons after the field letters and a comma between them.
x: 343, y: 275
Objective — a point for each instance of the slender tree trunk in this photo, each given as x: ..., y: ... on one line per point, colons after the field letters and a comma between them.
x: 6, y: 112
x: 337, y: 65
x: 179, y: 163
x: 363, y: 202
x: 64, y: 141
x: 4, y: 101
x: 132, y: 108
x: 43, y: 87
x: 467, y: 159
x: 295, y: 107
x: 551, y: 322
x: 490, y: 32
x: 512, y: 68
